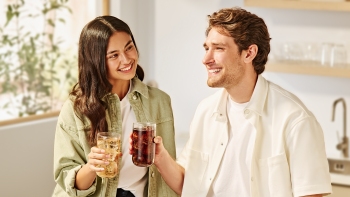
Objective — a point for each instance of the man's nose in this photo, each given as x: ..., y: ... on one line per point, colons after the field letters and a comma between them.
x: 208, y: 58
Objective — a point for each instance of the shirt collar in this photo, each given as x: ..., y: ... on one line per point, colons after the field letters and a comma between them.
x: 136, y: 86
x: 256, y: 103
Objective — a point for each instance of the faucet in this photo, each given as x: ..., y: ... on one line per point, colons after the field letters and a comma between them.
x: 344, y: 144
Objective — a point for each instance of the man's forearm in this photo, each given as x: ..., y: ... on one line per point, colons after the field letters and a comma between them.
x: 172, y: 172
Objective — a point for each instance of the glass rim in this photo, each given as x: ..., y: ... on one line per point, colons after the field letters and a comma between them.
x: 109, y: 134
x: 144, y: 123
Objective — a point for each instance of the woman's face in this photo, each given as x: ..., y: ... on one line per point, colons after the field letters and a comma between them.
x: 121, y: 58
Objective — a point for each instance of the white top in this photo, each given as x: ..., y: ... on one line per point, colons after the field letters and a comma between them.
x: 131, y: 177
x: 233, y: 176
x: 289, y: 157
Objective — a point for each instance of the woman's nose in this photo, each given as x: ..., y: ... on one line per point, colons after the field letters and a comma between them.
x: 124, y: 58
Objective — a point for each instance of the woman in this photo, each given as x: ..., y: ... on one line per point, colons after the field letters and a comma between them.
x: 109, y: 96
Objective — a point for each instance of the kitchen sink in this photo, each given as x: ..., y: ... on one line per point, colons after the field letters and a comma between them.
x: 339, y: 166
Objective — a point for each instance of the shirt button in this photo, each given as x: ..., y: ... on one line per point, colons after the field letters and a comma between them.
x: 134, y: 97
x: 209, y: 178
x: 251, y: 178
x: 152, y: 175
x: 247, y: 111
x: 222, y: 144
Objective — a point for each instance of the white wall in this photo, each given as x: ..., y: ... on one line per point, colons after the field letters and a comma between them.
x: 26, y: 167
x: 174, y: 59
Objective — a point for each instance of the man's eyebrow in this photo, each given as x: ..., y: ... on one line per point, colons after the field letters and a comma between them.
x: 219, y: 44
x: 130, y: 41
x: 215, y: 44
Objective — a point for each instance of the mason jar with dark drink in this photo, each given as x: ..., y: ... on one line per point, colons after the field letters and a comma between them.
x: 143, y: 145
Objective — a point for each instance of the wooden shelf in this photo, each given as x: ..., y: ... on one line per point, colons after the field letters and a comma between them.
x: 29, y: 118
x: 307, y: 70
x: 331, y: 5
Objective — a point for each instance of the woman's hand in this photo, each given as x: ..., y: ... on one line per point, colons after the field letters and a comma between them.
x: 97, y: 157
x: 87, y: 174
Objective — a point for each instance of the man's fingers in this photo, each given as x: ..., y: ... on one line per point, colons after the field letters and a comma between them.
x: 157, y: 140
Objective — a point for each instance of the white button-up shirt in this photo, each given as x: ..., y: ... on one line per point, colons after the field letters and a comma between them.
x: 288, y: 159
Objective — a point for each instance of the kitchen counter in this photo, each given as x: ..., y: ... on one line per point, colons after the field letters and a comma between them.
x: 340, y: 179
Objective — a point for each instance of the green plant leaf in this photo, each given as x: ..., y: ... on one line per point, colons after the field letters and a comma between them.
x: 50, y: 22
x: 9, y: 15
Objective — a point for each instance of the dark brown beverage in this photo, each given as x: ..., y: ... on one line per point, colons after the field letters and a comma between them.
x: 144, y: 148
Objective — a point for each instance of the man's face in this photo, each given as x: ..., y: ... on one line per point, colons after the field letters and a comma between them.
x: 222, y: 60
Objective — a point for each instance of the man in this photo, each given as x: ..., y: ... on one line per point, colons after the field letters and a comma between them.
x: 251, y: 138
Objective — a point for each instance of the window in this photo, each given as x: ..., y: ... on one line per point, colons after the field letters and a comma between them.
x: 38, y: 53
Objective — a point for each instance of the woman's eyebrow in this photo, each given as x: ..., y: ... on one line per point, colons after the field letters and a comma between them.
x: 130, y: 41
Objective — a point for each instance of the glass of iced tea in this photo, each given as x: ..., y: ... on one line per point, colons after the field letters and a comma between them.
x: 110, y: 142
x: 143, y: 145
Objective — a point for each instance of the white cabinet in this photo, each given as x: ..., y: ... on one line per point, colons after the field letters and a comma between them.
x: 340, y: 191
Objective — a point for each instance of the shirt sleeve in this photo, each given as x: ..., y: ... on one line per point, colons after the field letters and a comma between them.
x: 182, y: 158
x: 70, y: 182
x: 69, y: 155
x: 307, y: 158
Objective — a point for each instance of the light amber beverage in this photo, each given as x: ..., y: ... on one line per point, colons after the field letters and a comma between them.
x: 110, y: 142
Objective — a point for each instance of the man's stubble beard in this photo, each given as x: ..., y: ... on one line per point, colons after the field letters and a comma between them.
x: 228, y: 80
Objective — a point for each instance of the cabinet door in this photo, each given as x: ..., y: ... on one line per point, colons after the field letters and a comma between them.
x: 340, y: 191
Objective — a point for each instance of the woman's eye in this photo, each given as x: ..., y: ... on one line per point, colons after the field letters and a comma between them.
x: 129, y: 48
x: 113, y: 56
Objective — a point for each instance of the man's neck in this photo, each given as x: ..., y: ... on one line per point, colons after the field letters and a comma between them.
x: 242, y: 92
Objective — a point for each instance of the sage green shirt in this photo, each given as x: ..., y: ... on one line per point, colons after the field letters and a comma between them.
x: 71, y: 147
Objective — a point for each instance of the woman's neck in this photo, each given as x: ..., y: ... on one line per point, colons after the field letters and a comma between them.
x: 121, y: 88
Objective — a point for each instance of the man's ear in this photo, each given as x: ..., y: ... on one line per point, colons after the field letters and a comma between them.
x: 250, y: 53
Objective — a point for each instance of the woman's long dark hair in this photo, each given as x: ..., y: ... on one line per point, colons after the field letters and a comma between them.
x: 93, y: 83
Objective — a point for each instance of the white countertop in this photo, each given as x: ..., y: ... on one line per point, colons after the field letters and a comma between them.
x: 340, y: 179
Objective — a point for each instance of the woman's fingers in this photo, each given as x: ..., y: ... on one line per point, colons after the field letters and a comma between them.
x: 97, y: 157
x: 96, y: 168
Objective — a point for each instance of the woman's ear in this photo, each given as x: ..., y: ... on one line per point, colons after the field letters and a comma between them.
x: 250, y: 53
